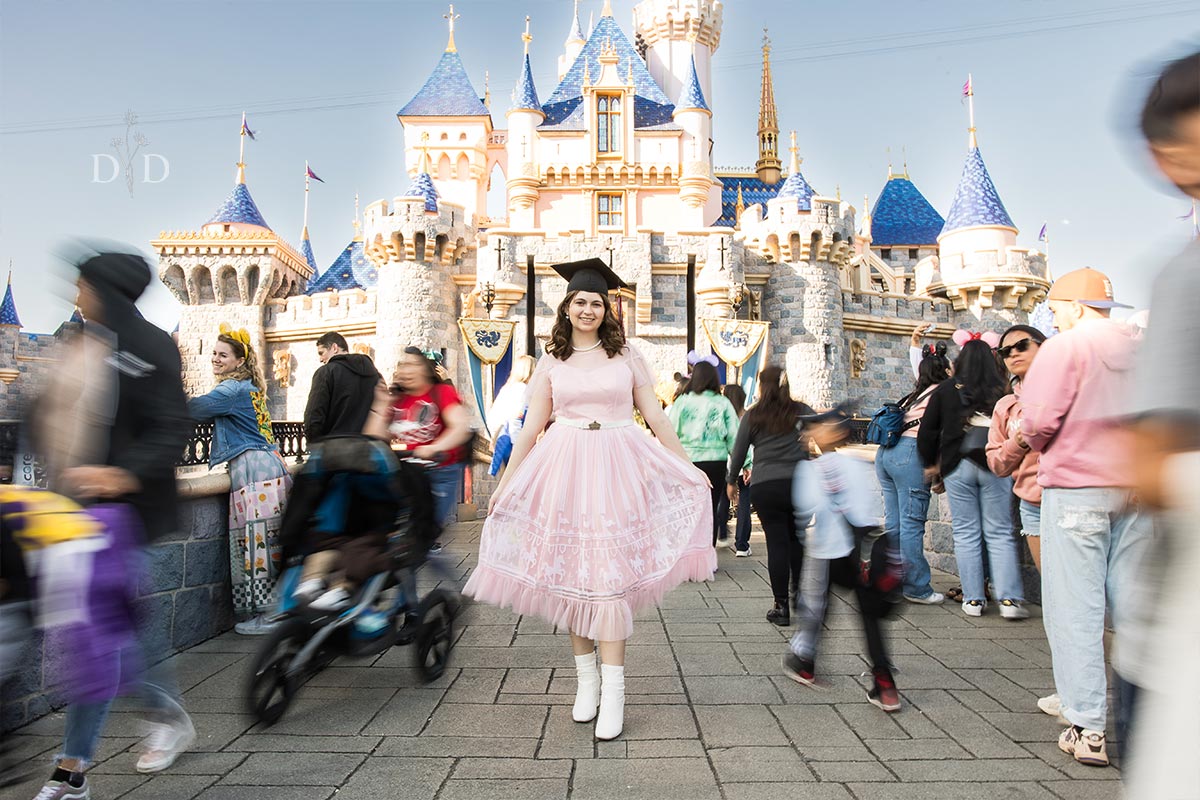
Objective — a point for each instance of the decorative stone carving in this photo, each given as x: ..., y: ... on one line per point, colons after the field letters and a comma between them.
x: 283, y: 368
x: 858, y: 357
x: 362, y: 348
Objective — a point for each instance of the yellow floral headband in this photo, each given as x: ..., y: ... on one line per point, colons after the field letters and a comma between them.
x: 241, y: 335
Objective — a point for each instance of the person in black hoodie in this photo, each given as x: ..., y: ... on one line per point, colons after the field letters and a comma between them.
x: 343, y: 389
x: 110, y: 429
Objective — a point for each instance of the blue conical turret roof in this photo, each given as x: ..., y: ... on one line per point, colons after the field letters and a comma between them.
x: 422, y: 186
x: 239, y: 207
x: 902, y: 216
x: 693, y: 95
x: 306, y: 250
x: 976, y: 201
x: 797, y: 187
x: 447, y: 93
x: 8, y: 307
x: 351, y: 270
x: 525, y: 96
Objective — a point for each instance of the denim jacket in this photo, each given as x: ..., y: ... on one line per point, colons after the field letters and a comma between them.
x: 241, y: 422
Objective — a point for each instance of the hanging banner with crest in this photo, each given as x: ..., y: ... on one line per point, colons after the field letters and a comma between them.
x: 741, y: 343
x: 489, y: 342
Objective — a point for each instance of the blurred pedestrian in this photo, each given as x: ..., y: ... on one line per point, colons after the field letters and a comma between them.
x: 507, y: 414
x: 705, y: 422
x: 1166, y: 404
x: 342, y: 391
x: 259, y: 480
x: 1093, y: 535
x: 772, y: 428
x: 109, y: 431
x: 952, y: 441
x: 741, y: 537
x: 901, y: 476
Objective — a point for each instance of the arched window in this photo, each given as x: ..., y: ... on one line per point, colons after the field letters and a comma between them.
x: 608, y: 123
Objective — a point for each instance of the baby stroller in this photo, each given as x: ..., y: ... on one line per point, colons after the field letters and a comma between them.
x: 375, y: 493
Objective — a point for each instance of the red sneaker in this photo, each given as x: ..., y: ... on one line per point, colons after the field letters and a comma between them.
x: 884, y: 694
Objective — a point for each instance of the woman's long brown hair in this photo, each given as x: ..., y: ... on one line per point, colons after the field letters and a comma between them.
x: 775, y: 412
x: 250, y: 369
x: 612, y: 336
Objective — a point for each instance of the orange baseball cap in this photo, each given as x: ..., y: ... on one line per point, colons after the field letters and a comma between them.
x: 1087, y: 287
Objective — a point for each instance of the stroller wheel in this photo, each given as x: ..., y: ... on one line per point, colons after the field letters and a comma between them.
x: 436, y: 633
x: 270, y: 690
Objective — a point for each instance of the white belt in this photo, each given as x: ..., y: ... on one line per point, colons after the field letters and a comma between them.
x: 593, y: 425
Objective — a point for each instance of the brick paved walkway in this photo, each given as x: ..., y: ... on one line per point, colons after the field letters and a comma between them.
x: 709, y: 715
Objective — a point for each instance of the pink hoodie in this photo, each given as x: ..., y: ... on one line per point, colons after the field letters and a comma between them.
x: 1072, y: 400
x: 1005, y: 456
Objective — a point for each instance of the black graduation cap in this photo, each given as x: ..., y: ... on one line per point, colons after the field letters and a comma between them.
x: 589, y: 275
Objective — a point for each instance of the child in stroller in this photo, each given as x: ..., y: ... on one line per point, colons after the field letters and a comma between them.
x: 359, y: 510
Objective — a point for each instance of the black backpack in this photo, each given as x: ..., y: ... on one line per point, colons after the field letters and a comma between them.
x: 888, y: 425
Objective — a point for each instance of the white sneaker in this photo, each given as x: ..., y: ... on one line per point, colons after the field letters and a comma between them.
x: 742, y: 553
x: 165, y: 743
x: 1051, y: 704
x: 336, y: 598
x: 973, y: 608
x: 931, y: 599
x: 1011, y: 609
x: 256, y: 626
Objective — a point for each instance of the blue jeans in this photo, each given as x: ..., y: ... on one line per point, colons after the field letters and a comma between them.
x: 1031, y: 519
x: 445, y: 482
x: 981, y: 515
x: 905, y: 509
x: 1092, y: 548
x: 741, y: 537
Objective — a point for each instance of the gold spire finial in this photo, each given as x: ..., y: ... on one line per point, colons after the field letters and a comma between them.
x: 768, y: 165
x: 839, y: 192
x: 904, y: 157
x: 794, y: 166
x: 450, y: 48
x: 889, y: 155
x: 607, y: 10
x: 970, y: 87
x: 866, y: 226
x: 527, y: 37
x: 357, y: 224
x: 423, y: 161
x: 487, y: 88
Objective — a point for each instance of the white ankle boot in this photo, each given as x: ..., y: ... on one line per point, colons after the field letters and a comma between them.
x: 587, y: 694
x: 611, y: 719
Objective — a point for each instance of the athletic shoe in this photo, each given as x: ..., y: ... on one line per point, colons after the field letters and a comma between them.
x: 931, y: 599
x: 780, y: 616
x: 973, y: 608
x: 1085, y: 745
x: 1052, y: 705
x: 742, y: 553
x: 256, y: 626
x: 799, y: 669
x: 165, y: 743
x: 333, y: 600
x: 883, y: 694
x: 1011, y: 609
x: 59, y: 787
x: 436, y: 547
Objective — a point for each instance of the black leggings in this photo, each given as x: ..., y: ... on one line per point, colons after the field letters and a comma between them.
x: 715, y: 470
x: 773, y: 503
x: 872, y: 604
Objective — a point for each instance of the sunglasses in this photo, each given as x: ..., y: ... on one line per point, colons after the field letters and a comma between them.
x: 1015, y: 347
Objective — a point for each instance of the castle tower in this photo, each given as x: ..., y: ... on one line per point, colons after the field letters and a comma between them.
x: 768, y: 165
x: 681, y: 36
x: 458, y: 124
x: 523, y: 119
x: 10, y: 332
x: 416, y: 243
x: 698, y: 190
x: 980, y: 267
x: 573, y: 46
x: 808, y: 239
x: 226, y: 272
x: 306, y: 249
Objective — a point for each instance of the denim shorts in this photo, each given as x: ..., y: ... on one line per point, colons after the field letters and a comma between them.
x: 1031, y: 519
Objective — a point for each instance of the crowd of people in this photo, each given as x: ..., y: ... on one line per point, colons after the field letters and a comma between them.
x: 1089, y: 435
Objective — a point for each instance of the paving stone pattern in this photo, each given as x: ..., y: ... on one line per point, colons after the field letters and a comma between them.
x: 709, y: 714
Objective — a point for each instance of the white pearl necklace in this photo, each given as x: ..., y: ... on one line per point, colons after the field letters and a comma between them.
x: 588, y: 349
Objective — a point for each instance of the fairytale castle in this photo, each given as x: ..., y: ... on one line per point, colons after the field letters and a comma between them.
x: 615, y: 162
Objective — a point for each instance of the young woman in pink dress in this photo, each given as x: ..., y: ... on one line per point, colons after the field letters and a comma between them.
x: 596, y: 520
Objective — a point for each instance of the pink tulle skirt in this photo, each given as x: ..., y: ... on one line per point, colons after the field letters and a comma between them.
x: 592, y: 527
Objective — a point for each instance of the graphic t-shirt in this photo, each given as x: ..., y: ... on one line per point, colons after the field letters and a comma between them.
x: 418, y: 419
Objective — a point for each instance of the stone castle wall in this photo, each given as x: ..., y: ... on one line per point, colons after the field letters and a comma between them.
x: 34, y: 356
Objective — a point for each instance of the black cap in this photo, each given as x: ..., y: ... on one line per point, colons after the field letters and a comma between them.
x: 589, y: 275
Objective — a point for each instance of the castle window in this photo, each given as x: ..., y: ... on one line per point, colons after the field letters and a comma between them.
x: 608, y: 124
x: 610, y: 210
x: 886, y: 253
x: 912, y: 254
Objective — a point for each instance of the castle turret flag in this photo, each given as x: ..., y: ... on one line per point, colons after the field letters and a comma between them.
x: 309, y: 173
x: 246, y: 128
x: 1042, y: 233
x: 966, y: 90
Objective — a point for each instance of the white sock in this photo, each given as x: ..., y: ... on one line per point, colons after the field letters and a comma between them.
x: 587, y: 693
x: 611, y: 719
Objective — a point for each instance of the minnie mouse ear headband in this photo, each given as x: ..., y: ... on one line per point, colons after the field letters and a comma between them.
x: 694, y: 358
x: 938, y: 350
x: 990, y: 338
x: 241, y: 335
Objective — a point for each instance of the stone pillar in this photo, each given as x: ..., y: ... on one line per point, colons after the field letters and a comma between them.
x: 803, y: 303
x: 416, y: 307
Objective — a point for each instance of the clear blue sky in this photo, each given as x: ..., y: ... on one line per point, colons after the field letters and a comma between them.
x: 1056, y: 85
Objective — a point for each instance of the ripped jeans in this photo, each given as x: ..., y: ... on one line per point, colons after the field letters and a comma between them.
x: 1093, y: 542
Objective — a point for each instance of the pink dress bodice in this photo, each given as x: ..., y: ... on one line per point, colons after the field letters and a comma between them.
x: 592, y: 386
